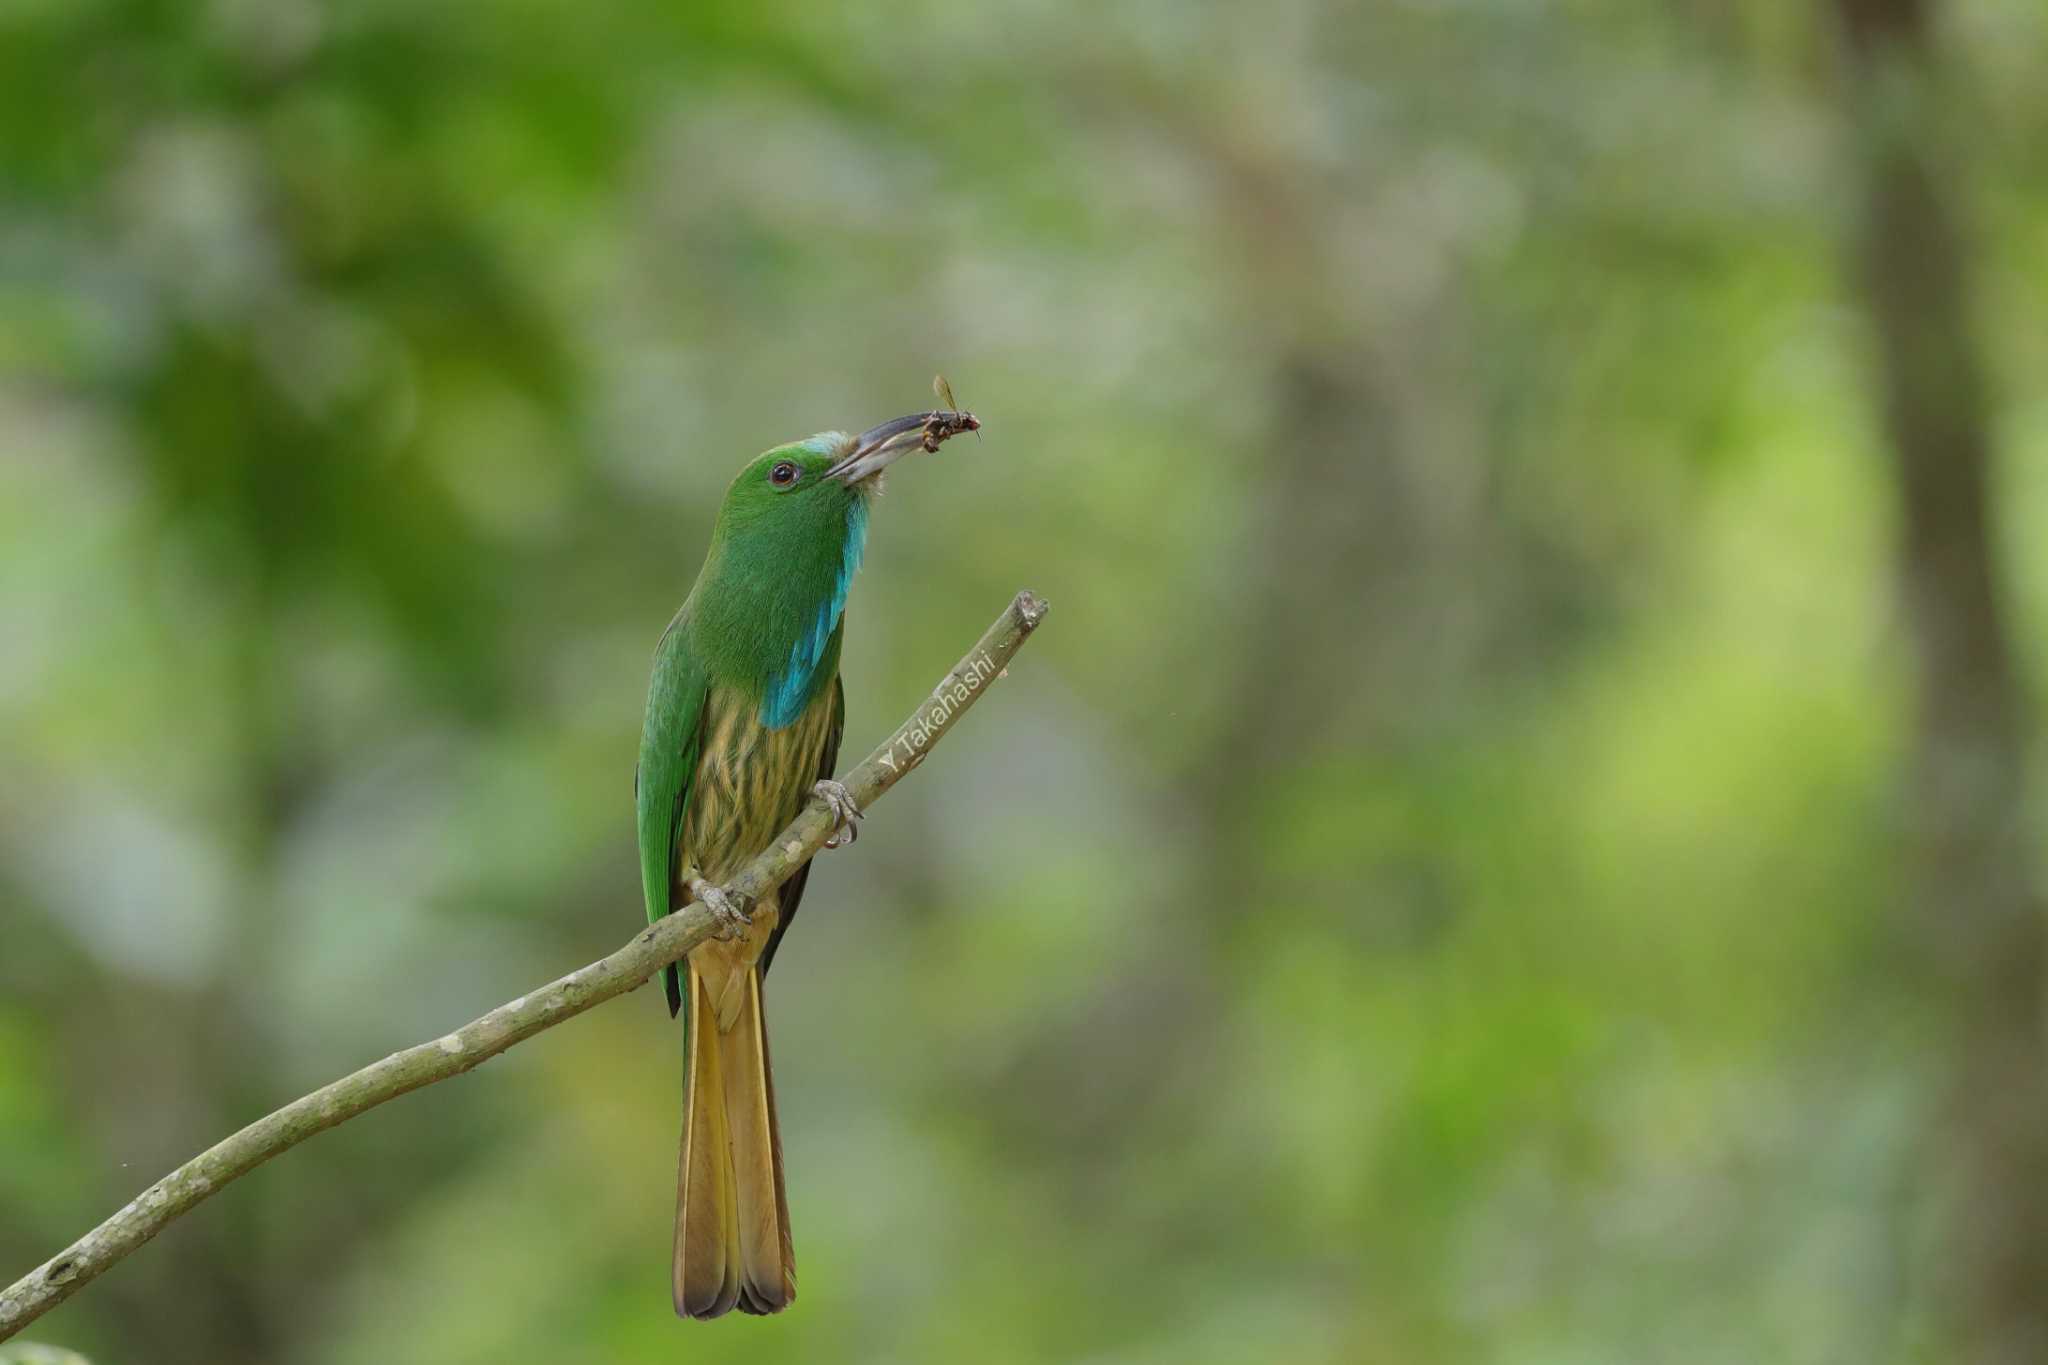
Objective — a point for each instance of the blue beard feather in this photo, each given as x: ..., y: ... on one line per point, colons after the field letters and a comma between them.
x: 789, y: 691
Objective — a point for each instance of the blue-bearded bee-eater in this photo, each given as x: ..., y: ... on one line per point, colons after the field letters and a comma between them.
x: 744, y: 713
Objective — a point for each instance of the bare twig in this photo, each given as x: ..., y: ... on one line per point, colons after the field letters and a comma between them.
x: 650, y: 950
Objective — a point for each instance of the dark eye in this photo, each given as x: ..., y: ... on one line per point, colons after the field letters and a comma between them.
x: 783, y: 475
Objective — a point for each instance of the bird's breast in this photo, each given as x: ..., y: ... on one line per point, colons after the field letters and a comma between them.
x: 750, y: 782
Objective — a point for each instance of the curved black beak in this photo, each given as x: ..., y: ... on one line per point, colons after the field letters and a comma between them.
x: 879, y: 447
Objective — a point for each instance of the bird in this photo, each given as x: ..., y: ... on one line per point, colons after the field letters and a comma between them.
x: 744, y: 714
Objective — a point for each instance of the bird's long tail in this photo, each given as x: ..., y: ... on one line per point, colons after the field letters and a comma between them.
x: 732, y: 1218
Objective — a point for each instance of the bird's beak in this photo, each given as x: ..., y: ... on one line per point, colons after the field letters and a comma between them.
x: 879, y: 447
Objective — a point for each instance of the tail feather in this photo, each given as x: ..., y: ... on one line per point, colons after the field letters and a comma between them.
x: 706, y: 1273
x: 732, y: 1244
x: 766, y: 1265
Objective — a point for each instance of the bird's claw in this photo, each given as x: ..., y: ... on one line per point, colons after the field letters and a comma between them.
x: 844, y: 811
x: 729, y: 913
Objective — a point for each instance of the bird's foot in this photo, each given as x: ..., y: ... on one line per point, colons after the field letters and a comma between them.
x: 835, y: 795
x: 728, y: 912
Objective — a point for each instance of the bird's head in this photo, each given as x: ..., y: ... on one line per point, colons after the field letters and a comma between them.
x: 828, y: 472
x: 787, y: 544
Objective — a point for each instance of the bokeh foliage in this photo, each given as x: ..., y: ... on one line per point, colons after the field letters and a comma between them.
x: 1440, y: 898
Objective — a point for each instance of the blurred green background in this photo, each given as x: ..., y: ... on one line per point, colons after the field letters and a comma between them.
x: 1431, y: 892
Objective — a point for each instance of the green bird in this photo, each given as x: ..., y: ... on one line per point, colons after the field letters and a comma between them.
x: 744, y: 714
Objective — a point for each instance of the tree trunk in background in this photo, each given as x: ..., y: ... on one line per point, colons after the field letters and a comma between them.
x: 1976, y: 905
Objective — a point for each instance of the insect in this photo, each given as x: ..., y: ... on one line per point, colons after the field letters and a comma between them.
x: 948, y: 421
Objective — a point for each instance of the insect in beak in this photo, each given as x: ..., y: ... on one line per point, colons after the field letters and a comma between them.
x: 879, y: 447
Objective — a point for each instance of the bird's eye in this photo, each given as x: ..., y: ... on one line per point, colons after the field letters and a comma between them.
x: 783, y: 474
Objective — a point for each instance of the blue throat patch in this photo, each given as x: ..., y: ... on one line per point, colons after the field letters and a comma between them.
x: 789, y: 691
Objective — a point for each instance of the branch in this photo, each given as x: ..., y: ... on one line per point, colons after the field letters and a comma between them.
x: 649, y: 951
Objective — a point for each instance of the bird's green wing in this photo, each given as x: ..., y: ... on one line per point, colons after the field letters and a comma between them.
x: 793, y: 889
x: 668, y: 759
